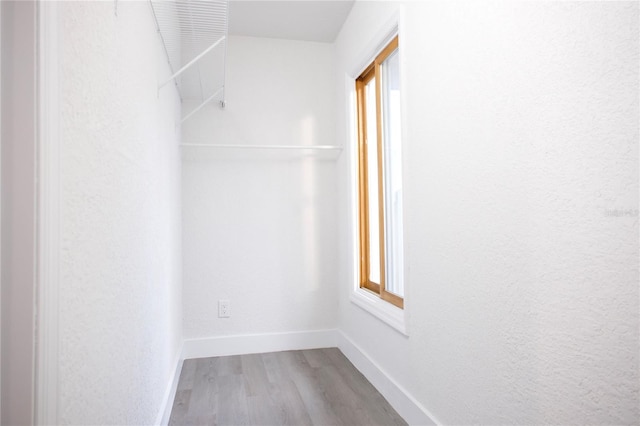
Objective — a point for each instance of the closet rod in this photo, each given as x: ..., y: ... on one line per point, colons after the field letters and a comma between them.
x: 300, y: 147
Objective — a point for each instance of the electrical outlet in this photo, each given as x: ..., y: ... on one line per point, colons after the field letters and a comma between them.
x: 224, y: 309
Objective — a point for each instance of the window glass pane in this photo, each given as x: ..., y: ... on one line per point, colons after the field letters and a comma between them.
x: 372, y: 182
x: 390, y: 70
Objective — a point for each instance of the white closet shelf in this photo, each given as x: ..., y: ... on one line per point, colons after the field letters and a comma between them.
x: 322, y: 152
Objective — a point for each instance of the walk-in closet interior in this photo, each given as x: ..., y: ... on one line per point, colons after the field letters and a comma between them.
x: 187, y: 223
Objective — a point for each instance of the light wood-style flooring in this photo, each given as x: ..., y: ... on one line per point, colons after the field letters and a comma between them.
x: 310, y: 387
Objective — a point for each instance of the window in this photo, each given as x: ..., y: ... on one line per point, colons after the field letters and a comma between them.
x: 380, y: 176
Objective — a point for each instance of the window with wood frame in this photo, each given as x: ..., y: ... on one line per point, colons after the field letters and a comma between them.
x: 380, y: 176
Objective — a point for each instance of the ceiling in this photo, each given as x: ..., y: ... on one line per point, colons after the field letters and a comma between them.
x: 308, y: 20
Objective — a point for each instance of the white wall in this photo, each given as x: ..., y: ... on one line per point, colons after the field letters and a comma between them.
x: 18, y: 210
x: 120, y: 303
x: 521, y: 143
x: 259, y: 227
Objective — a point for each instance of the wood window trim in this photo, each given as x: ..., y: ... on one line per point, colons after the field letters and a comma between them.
x: 371, y: 72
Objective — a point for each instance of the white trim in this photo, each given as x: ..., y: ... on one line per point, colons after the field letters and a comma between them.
x: 406, y: 179
x: 48, y: 219
x: 164, y: 413
x: 258, y: 343
x: 402, y: 401
x: 375, y: 46
x: 381, y: 309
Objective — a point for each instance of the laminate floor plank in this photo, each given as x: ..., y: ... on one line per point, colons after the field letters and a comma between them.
x: 316, y: 358
x: 290, y: 405
x: 304, y: 377
x: 343, y: 401
x: 311, y: 387
x: 379, y: 407
x: 276, y: 373
x: 255, y: 375
x: 187, y: 374
x: 200, y: 421
x: 229, y: 365
x: 232, y: 400
x: 204, y: 393
x: 180, y: 407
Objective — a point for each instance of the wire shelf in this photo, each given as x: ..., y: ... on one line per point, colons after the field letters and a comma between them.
x: 194, y: 33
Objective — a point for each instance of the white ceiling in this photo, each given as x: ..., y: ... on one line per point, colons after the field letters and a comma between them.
x: 309, y: 20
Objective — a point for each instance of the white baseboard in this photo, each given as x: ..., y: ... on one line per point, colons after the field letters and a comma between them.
x: 162, y: 418
x: 258, y: 343
x: 405, y: 404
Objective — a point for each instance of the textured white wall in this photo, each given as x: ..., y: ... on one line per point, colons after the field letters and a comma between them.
x: 259, y: 228
x: 120, y: 319
x: 522, y: 145
x: 18, y: 209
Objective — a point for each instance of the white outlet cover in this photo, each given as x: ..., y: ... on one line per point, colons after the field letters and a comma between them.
x: 224, y: 309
